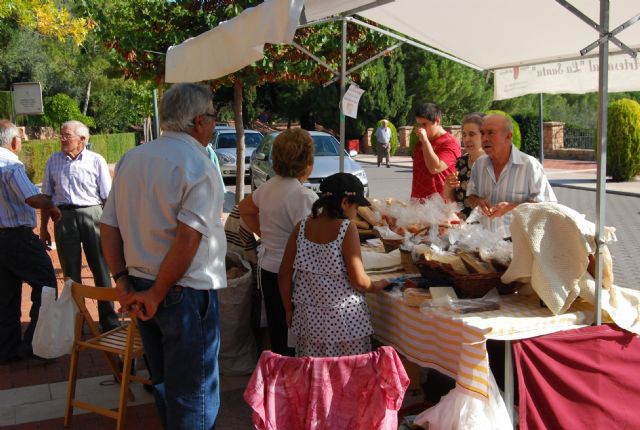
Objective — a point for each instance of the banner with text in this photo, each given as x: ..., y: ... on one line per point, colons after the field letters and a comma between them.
x: 574, y: 77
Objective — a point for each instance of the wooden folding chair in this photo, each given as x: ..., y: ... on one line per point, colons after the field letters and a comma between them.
x: 124, y: 341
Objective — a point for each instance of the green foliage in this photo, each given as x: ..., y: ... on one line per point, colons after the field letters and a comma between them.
x: 113, y: 146
x: 517, y: 137
x: 5, y: 104
x: 455, y: 88
x: 393, y: 142
x: 530, y: 130
x: 35, y: 153
x: 61, y: 108
x: 623, y: 140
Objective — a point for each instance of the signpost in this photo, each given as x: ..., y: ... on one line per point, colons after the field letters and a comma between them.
x: 27, y: 98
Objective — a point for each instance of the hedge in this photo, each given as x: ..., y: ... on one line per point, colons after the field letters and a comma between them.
x: 623, y: 140
x: 35, y: 153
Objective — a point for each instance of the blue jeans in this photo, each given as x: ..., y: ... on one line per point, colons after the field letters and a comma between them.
x: 181, y: 342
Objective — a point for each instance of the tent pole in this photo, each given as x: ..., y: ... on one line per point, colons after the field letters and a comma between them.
x: 343, y: 77
x: 541, y: 115
x: 603, y: 101
x: 156, y: 117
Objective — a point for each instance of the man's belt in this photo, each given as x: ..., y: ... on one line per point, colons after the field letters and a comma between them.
x: 20, y: 227
x: 71, y: 207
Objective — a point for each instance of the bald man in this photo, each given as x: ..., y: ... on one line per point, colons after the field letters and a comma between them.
x: 504, y: 177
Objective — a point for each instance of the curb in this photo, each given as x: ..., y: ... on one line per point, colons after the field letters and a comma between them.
x: 608, y: 191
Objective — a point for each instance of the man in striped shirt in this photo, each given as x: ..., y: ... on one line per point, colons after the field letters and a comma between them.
x: 23, y: 258
x: 504, y: 177
x: 79, y: 182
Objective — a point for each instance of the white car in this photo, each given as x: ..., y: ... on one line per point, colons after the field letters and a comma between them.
x: 224, y: 145
x: 326, y: 162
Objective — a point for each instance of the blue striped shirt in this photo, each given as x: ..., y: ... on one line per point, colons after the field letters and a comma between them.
x: 521, y: 180
x: 15, y: 188
x: 83, y: 181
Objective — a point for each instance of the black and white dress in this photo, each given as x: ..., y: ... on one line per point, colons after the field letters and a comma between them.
x: 330, y: 317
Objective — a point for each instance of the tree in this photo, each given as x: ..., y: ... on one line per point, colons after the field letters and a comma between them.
x: 46, y: 18
x: 456, y: 89
x: 134, y: 30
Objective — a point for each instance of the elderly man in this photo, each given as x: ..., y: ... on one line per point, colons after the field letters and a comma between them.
x: 383, y: 138
x: 164, y: 242
x: 435, y: 153
x: 504, y: 177
x: 23, y: 258
x: 78, y: 181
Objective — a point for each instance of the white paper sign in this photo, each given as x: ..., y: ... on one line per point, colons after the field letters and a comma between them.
x: 575, y: 77
x: 27, y: 98
x: 350, y: 101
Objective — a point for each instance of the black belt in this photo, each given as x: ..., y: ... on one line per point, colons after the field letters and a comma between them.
x: 70, y: 207
x: 20, y: 227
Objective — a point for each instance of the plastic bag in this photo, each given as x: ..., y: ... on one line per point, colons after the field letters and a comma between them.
x: 237, y: 355
x: 54, y: 333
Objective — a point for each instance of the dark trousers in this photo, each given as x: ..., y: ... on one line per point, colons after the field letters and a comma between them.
x: 383, y: 151
x: 78, y: 231
x: 276, y: 317
x: 23, y: 258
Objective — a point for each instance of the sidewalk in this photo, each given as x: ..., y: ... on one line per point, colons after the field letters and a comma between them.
x: 561, y: 173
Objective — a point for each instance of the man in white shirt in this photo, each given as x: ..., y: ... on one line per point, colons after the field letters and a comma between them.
x: 383, y: 138
x: 78, y: 182
x: 504, y: 177
x: 164, y: 242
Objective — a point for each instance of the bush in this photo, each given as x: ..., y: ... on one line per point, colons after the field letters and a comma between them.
x: 393, y: 142
x: 517, y: 137
x: 530, y: 133
x: 61, y: 108
x: 35, y: 153
x: 623, y: 140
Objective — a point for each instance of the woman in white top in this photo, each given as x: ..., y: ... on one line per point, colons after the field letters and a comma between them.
x: 271, y: 212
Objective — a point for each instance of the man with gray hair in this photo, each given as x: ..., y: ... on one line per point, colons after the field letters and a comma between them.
x: 78, y: 181
x: 383, y: 139
x: 504, y: 177
x: 23, y: 258
x: 164, y: 242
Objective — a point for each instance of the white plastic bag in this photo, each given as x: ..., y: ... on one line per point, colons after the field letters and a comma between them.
x: 53, y: 336
x: 237, y: 355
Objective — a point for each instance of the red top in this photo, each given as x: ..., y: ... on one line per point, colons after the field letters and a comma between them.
x: 423, y: 184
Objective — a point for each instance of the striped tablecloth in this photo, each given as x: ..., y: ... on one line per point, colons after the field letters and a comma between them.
x: 455, y: 344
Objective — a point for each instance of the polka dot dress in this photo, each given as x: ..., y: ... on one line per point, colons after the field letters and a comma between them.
x: 330, y: 317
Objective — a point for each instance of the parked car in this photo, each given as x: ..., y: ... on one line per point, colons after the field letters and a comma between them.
x: 224, y: 145
x: 326, y: 162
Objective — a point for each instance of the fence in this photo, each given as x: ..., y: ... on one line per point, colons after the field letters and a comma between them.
x: 579, y: 138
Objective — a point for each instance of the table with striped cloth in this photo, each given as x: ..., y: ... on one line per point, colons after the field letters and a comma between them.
x: 455, y: 344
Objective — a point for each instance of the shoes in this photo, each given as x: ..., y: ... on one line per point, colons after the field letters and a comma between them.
x: 378, y: 164
x: 388, y: 166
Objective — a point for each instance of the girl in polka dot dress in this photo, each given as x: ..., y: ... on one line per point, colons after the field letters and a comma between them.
x: 322, y: 278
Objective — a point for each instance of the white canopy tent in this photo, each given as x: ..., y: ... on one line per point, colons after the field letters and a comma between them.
x: 489, y: 35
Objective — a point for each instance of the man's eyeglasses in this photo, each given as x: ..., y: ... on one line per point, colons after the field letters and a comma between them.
x: 211, y: 115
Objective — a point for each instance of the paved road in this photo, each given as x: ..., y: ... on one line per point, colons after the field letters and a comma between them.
x: 622, y: 212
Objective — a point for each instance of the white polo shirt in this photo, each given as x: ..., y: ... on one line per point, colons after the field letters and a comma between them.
x: 283, y: 202
x: 156, y: 185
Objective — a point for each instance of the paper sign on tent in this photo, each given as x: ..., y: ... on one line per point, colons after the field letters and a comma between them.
x: 350, y: 101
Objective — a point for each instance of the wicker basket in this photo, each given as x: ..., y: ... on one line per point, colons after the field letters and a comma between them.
x: 469, y: 286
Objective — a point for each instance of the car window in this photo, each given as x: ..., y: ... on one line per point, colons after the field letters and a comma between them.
x: 228, y: 140
x: 325, y: 146
x: 268, y: 143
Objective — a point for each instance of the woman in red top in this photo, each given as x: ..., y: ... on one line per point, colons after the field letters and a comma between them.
x: 435, y: 154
